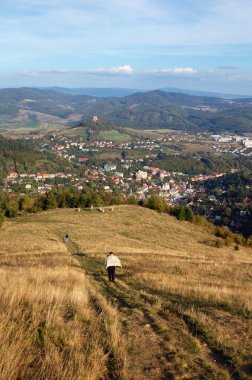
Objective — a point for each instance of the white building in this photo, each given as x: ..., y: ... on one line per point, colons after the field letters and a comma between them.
x: 119, y: 174
x: 141, y: 175
x: 165, y: 187
x: 110, y: 167
x: 248, y: 143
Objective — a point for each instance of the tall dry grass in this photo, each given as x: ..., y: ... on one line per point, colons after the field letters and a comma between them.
x: 224, y: 283
x: 47, y: 328
x: 50, y: 326
x: 164, y: 254
x: 208, y: 288
x: 58, y: 325
x: 160, y: 252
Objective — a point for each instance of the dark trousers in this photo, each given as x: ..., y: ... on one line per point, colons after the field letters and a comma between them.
x: 111, y: 273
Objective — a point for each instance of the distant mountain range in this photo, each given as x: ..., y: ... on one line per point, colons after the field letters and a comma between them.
x: 121, y: 92
x: 96, y: 92
x: 142, y: 110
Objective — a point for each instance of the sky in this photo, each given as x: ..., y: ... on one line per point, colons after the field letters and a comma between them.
x: 141, y: 44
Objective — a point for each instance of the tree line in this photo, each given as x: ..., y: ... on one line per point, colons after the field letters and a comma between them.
x: 12, y: 205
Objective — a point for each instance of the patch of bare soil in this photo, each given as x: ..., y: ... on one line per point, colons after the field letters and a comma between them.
x: 145, y: 352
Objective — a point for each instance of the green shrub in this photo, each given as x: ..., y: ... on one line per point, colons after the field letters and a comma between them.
x: 157, y: 203
x: 188, y: 214
x: 183, y: 213
x: 132, y: 200
x: 249, y: 241
x: 11, y: 211
x: 239, y: 239
x: 26, y: 204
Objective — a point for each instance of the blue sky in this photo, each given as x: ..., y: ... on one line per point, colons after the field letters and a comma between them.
x: 194, y: 44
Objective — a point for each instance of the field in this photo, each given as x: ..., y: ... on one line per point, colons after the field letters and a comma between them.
x: 20, y: 130
x: 197, y: 148
x: 163, y: 131
x: 115, y: 136
x: 142, y: 133
x: 75, y: 132
x: 108, y: 155
x: 180, y: 307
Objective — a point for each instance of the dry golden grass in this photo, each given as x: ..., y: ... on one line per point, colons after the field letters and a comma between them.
x: 195, y: 297
x: 43, y: 334
x: 50, y: 326
x: 196, y: 148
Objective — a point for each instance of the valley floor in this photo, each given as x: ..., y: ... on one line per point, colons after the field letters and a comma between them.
x: 180, y: 307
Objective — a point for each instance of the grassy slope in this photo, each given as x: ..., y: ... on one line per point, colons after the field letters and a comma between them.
x: 180, y: 309
x: 27, y: 129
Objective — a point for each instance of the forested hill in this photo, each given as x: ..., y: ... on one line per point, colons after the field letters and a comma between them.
x: 22, y: 157
x: 143, y: 110
x: 158, y: 109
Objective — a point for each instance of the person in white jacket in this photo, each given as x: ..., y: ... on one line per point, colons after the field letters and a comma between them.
x: 111, y: 262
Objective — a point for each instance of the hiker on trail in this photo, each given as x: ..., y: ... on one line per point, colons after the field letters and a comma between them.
x: 111, y: 262
x: 65, y: 238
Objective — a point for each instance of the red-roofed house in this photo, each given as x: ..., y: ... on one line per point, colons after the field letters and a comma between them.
x: 13, y: 175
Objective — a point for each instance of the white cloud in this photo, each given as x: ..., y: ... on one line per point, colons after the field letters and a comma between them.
x: 120, y: 70
x: 55, y: 71
x: 126, y: 69
x: 174, y: 71
x: 49, y: 71
x: 227, y: 67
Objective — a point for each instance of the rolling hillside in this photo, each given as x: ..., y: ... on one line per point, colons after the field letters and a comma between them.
x: 120, y: 92
x: 179, y: 309
x: 143, y: 110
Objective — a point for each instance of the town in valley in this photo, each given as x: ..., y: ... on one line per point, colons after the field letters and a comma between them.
x: 174, y: 165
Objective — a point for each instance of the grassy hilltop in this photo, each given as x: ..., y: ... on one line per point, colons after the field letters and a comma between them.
x: 180, y: 308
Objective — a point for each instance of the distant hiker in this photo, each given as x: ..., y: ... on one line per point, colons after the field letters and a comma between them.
x: 111, y: 262
x: 65, y: 238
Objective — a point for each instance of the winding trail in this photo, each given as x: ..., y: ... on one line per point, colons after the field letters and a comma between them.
x: 162, y: 341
